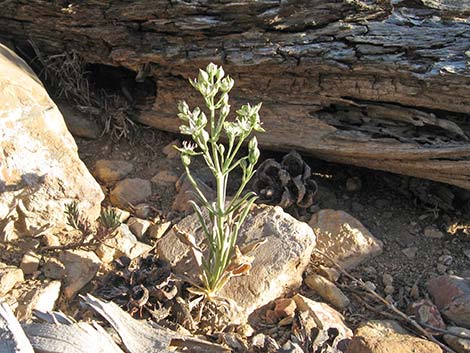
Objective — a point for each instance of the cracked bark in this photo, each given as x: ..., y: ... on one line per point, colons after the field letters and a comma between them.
x: 358, y: 82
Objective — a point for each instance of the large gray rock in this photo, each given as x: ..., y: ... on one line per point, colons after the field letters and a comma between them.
x: 40, y: 170
x: 344, y: 238
x: 278, y: 263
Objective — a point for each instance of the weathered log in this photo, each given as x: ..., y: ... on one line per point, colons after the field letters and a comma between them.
x: 381, y: 84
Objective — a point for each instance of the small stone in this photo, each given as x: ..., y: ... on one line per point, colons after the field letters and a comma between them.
x: 50, y: 239
x: 53, y: 269
x: 329, y: 273
x: 286, y: 321
x: 441, y: 269
x: 122, y: 215
x: 426, y: 312
x: 410, y: 252
x: 170, y: 152
x: 344, y: 238
x: 387, y: 279
x: 390, y: 299
x: 165, y: 178
x: 110, y: 171
x: 9, y: 277
x: 433, y: 233
x: 460, y: 345
x: 446, y: 260
x: 370, y: 285
x: 42, y: 298
x: 78, y: 123
x: 30, y: 262
x: 138, y: 226
x: 327, y: 290
x: 246, y: 330
x: 353, y: 184
x: 258, y: 340
x: 156, y: 231
x: 389, y: 289
x: 284, y: 307
x: 125, y: 243
x: 143, y: 210
x: 81, y: 267
x: 106, y: 253
x: 129, y: 192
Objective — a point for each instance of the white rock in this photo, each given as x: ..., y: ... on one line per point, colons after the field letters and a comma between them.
x: 42, y: 298
x: 278, y: 263
x: 138, y: 226
x: 39, y: 155
x: 344, y: 238
x: 158, y: 230
x: 327, y: 290
x: 125, y: 243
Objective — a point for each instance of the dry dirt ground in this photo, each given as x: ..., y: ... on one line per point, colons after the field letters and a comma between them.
x: 393, y: 214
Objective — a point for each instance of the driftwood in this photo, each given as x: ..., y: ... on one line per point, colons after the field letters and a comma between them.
x: 62, y: 334
x: 381, y: 84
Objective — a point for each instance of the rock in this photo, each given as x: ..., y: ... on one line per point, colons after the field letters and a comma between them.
x: 353, y: 184
x: 30, y: 262
x: 451, y: 294
x: 78, y: 123
x: 122, y: 215
x: 441, y: 268
x: 106, y: 253
x: 130, y: 192
x: 389, y: 290
x: 460, y: 345
x: 410, y: 252
x: 9, y: 277
x: 278, y: 263
x: 426, y: 312
x: 284, y: 307
x: 50, y: 239
x: 156, y: 231
x: 143, y: 210
x: 325, y: 316
x: 125, y: 243
x: 110, y: 171
x: 40, y: 169
x: 433, y: 233
x: 165, y: 177
x: 387, y: 279
x: 184, y: 195
x: 329, y: 273
x: 327, y: 290
x: 170, y: 152
x: 80, y: 267
x: 138, y: 226
x: 370, y: 285
x: 42, y: 298
x: 344, y: 238
x: 53, y: 269
x: 388, y: 337
x: 446, y: 260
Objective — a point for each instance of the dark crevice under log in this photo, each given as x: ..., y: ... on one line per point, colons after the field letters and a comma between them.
x: 358, y: 82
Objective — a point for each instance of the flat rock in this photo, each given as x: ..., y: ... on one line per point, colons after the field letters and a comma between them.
x: 344, y: 238
x: 327, y: 290
x: 426, y: 312
x: 460, y: 345
x: 451, y: 294
x: 130, y: 192
x: 388, y: 337
x: 110, y: 171
x: 41, y: 298
x: 78, y: 123
x: 40, y: 169
x: 9, y: 277
x: 278, y: 263
x: 126, y: 243
x: 165, y: 177
x: 80, y: 267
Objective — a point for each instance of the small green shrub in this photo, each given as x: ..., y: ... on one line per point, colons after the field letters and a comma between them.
x: 225, y: 217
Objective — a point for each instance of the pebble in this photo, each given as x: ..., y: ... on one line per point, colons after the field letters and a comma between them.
x: 389, y: 289
x: 165, y: 177
x: 158, y: 230
x: 433, y: 233
x: 329, y: 273
x: 387, y: 279
x: 110, y: 171
x: 122, y: 215
x: 284, y: 307
x: 410, y: 252
x: 50, y: 239
x: 327, y: 290
x: 446, y: 260
x: 129, y: 192
x: 143, y: 210
x: 370, y: 285
x: 138, y: 226
x: 441, y: 268
x: 30, y: 262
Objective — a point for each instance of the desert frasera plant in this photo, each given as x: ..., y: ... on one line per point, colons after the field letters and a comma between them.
x: 223, y: 259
